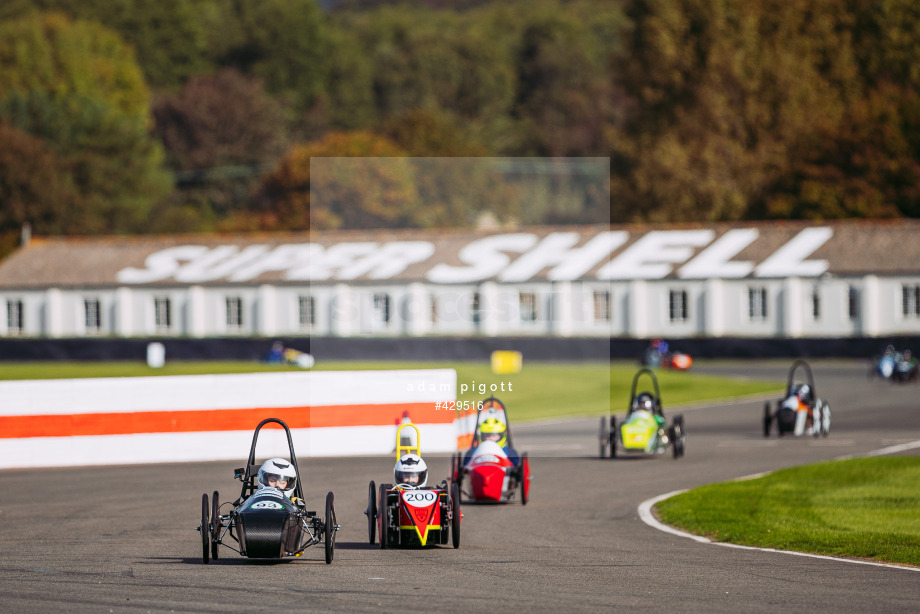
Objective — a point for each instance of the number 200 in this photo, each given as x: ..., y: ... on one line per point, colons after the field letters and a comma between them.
x: 426, y: 497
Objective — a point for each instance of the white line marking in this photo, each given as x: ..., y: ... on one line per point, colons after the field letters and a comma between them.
x: 645, y: 514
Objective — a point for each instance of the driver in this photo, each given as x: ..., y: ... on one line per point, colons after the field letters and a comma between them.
x: 279, y: 474
x: 410, y: 472
x: 495, y: 430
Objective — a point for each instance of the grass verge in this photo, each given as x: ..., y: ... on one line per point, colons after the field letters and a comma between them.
x: 865, y: 508
x: 540, y: 391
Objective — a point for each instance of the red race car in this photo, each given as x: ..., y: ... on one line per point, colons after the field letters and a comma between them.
x: 409, y: 512
x: 492, y: 466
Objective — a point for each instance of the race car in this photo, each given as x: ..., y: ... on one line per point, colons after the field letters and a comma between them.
x: 492, y: 466
x: 801, y: 411
x: 645, y: 430
x: 409, y: 512
x: 895, y: 366
x: 269, y: 520
x: 659, y: 354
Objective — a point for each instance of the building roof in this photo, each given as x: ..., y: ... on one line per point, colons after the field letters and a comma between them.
x: 557, y: 253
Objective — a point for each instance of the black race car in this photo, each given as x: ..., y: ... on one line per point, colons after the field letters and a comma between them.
x: 264, y: 523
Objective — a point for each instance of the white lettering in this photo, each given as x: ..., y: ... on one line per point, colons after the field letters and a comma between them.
x: 391, y: 259
x: 161, y: 265
x: 337, y: 257
x: 788, y: 261
x: 652, y: 255
x: 554, y: 249
x: 713, y: 262
x: 217, y: 263
x: 485, y: 258
x: 282, y: 258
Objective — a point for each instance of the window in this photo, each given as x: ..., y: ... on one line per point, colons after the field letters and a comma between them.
x: 677, y: 306
x: 434, y: 310
x: 382, y: 307
x: 475, y: 308
x: 92, y: 315
x: 306, y: 311
x: 162, y: 314
x: 234, y: 312
x: 757, y: 304
x: 910, y: 301
x: 528, y: 306
x: 815, y: 303
x: 601, y: 306
x: 14, y: 317
x: 853, y: 303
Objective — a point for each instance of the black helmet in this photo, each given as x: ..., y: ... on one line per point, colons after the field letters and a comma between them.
x: 645, y: 401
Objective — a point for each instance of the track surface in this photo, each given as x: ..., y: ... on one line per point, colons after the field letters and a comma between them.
x: 122, y: 539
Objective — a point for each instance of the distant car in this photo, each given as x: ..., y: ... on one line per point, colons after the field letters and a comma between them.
x: 408, y: 515
x: 800, y: 411
x: 894, y: 366
x: 263, y: 522
x: 645, y: 429
x: 659, y: 354
x: 492, y: 471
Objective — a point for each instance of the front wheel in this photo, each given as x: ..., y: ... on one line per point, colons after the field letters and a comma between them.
x: 455, y: 513
x: 382, y: 514
x: 767, y: 419
x: 330, y: 528
x: 215, y: 523
x: 371, y: 512
x: 205, y: 528
x: 525, y: 479
x: 826, y: 420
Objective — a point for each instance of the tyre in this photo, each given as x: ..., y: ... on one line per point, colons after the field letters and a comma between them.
x: 205, y: 529
x: 767, y: 420
x: 826, y: 420
x: 371, y: 512
x: 455, y: 510
x: 674, y: 436
x: 382, y: 514
x: 330, y: 528
x: 613, y: 437
x: 604, y: 438
x: 215, y: 523
x: 525, y: 479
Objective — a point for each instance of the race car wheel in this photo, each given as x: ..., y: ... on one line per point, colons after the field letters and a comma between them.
x: 525, y: 479
x: 383, y: 513
x: 205, y: 529
x: 215, y: 523
x: 604, y: 438
x: 330, y: 527
x: 826, y: 420
x: 767, y: 419
x: 371, y: 512
x: 613, y: 437
x: 455, y: 510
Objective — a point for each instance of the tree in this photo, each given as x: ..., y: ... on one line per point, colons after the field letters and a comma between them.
x: 76, y: 86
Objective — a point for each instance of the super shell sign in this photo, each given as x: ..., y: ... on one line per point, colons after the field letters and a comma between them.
x: 510, y: 257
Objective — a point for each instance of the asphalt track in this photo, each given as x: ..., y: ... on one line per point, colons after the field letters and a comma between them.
x: 122, y: 539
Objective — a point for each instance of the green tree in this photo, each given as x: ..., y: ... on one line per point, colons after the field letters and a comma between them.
x: 167, y: 35
x: 76, y: 86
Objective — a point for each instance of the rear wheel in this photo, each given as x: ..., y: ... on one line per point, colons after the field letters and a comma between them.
x: 767, y: 419
x: 826, y: 420
x: 455, y: 511
x: 383, y: 513
x: 613, y: 437
x: 371, y: 512
x: 604, y: 438
x: 330, y: 528
x: 205, y: 529
x: 215, y: 523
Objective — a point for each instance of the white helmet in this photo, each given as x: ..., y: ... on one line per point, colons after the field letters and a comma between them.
x: 277, y: 473
x: 411, y: 470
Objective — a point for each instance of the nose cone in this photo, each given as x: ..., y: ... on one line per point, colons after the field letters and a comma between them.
x: 487, y: 481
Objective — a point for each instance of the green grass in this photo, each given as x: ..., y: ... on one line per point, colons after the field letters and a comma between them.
x: 866, y: 508
x: 540, y: 391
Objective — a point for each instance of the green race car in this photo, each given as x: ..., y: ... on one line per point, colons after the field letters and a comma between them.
x: 645, y: 429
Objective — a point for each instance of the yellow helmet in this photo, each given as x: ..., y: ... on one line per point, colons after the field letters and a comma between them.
x: 493, y: 429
